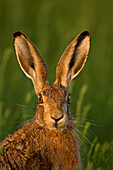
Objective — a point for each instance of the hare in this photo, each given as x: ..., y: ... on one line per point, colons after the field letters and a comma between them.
x: 50, y: 140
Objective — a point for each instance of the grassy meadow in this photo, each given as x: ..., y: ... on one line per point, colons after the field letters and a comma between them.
x: 52, y: 25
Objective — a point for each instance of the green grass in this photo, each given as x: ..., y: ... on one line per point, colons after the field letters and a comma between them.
x: 94, y: 155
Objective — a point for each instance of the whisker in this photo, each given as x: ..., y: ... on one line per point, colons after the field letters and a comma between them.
x: 79, y: 139
x: 21, y: 105
x: 23, y: 118
x: 81, y: 117
x: 21, y: 123
x: 84, y: 137
x: 88, y: 129
x: 31, y: 128
x: 35, y: 124
x: 93, y: 124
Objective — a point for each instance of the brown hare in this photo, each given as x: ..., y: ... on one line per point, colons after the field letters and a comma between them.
x: 50, y: 140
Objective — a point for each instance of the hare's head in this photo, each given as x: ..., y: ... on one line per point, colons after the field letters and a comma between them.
x: 53, y: 107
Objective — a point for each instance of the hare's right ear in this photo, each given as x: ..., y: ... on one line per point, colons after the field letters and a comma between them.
x: 30, y: 60
x: 73, y: 59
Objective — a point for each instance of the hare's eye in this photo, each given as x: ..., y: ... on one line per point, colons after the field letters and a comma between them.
x: 40, y: 99
x: 68, y: 99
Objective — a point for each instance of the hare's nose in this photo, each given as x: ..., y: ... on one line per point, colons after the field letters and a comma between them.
x: 57, y: 115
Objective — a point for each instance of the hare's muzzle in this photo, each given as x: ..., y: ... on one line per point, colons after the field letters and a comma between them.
x: 58, y: 118
x: 57, y: 115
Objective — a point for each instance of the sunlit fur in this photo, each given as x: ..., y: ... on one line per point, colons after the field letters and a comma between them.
x: 50, y: 140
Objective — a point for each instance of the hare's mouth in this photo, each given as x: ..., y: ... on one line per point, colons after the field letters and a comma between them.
x: 59, y: 123
x: 59, y: 126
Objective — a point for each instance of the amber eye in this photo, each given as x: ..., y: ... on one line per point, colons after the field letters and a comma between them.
x: 68, y: 99
x: 40, y: 98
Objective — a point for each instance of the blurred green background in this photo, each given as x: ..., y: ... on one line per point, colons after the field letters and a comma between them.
x: 52, y: 25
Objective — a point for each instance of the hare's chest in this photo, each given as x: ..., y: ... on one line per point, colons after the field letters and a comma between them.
x: 58, y: 150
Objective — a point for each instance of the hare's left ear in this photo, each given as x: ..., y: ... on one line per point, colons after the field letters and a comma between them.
x: 73, y: 59
x: 30, y: 61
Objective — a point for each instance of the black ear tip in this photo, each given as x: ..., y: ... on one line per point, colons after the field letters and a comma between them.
x: 85, y: 33
x: 17, y: 34
x: 82, y: 36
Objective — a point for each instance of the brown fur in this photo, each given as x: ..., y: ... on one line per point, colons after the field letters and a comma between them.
x: 50, y: 140
x: 35, y: 147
